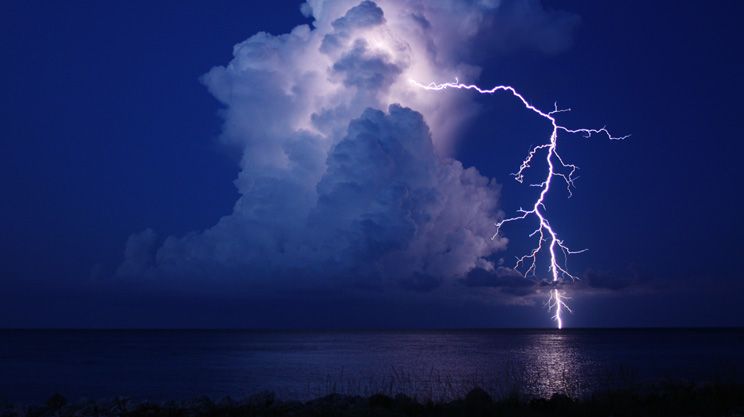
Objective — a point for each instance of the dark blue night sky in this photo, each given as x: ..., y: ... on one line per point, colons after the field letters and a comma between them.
x: 108, y: 131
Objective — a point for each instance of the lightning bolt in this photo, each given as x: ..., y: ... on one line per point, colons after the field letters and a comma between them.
x: 547, y: 237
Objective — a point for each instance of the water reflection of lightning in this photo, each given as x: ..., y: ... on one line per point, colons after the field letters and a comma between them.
x: 547, y: 237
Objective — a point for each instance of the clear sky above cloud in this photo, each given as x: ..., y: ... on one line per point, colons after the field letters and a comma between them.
x: 157, y: 175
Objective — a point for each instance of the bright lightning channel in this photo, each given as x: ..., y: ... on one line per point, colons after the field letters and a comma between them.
x: 547, y: 236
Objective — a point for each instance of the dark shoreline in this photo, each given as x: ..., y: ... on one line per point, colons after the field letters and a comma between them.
x: 664, y: 399
x: 376, y: 330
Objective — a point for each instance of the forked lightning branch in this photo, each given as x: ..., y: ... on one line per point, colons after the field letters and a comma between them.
x: 547, y: 237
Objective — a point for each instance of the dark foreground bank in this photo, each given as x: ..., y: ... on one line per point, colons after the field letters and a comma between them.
x: 660, y: 400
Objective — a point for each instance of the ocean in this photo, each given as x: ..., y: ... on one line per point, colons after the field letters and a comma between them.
x: 431, y: 364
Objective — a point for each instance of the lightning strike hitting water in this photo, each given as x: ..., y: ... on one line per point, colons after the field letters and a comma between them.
x: 547, y: 237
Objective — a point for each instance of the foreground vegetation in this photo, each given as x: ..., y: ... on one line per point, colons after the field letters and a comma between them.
x: 659, y: 400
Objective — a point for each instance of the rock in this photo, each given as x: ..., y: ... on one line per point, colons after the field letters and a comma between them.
x: 381, y: 401
x: 478, y: 397
x: 477, y: 402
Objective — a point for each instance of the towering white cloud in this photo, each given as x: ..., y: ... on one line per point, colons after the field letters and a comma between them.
x: 345, y: 173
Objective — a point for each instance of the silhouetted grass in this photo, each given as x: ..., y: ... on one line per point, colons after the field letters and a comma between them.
x: 662, y: 400
x: 514, y: 391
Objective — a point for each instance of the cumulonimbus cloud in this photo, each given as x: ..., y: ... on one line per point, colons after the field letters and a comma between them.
x: 346, y: 173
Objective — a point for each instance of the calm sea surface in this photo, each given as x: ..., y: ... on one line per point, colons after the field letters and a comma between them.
x: 162, y: 365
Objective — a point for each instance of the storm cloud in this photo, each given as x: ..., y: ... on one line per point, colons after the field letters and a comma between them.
x: 346, y: 175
